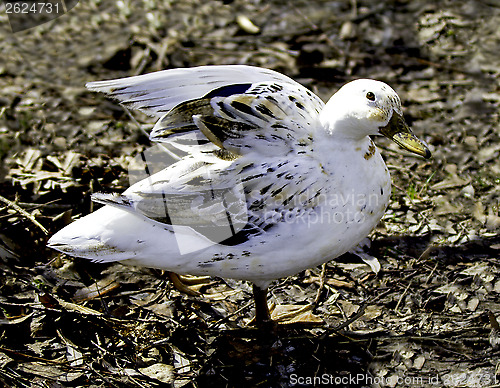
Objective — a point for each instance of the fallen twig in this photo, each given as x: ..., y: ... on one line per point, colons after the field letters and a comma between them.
x: 19, y: 209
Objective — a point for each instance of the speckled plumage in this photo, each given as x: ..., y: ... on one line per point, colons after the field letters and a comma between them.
x: 274, y: 181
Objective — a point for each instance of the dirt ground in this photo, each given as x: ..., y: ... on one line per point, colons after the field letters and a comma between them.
x: 427, y: 319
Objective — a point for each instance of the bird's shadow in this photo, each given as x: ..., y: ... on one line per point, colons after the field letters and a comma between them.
x: 421, y: 247
x: 290, y: 356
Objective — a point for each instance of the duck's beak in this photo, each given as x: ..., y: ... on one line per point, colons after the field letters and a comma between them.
x: 400, y: 133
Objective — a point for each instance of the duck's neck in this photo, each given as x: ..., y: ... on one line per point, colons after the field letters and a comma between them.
x: 342, y: 123
x: 329, y: 145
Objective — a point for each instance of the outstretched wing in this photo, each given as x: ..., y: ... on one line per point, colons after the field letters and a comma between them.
x: 156, y: 93
x: 264, y: 117
x: 236, y: 107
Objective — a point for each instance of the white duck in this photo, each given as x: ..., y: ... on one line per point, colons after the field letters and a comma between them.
x: 273, y: 182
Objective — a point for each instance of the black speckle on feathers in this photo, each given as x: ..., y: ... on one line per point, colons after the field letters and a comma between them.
x: 229, y: 90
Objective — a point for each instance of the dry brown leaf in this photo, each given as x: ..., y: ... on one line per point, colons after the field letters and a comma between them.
x: 340, y: 283
x: 96, y: 290
x: 286, y: 314
x: 161, y: 372
x: 451, y: 183
x: 78, y: 309
x: 49, y: 371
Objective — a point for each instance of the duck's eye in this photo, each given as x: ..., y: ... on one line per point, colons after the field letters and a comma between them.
x: 370, y: 96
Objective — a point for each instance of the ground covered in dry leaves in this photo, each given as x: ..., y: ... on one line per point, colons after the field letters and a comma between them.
x: 427, y: 319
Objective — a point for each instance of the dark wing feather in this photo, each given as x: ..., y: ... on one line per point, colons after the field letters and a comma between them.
x: 264, y: 117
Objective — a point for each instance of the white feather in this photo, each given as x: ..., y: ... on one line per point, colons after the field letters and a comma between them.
x: 157, y: 93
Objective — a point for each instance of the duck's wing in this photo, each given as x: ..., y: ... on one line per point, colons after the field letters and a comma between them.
x: 227, y: 202
x: 156, y: 93
x: 264, y: 117
x: 239, y: 109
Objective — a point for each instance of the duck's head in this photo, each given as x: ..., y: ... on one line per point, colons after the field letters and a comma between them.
x: 367, y: 107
